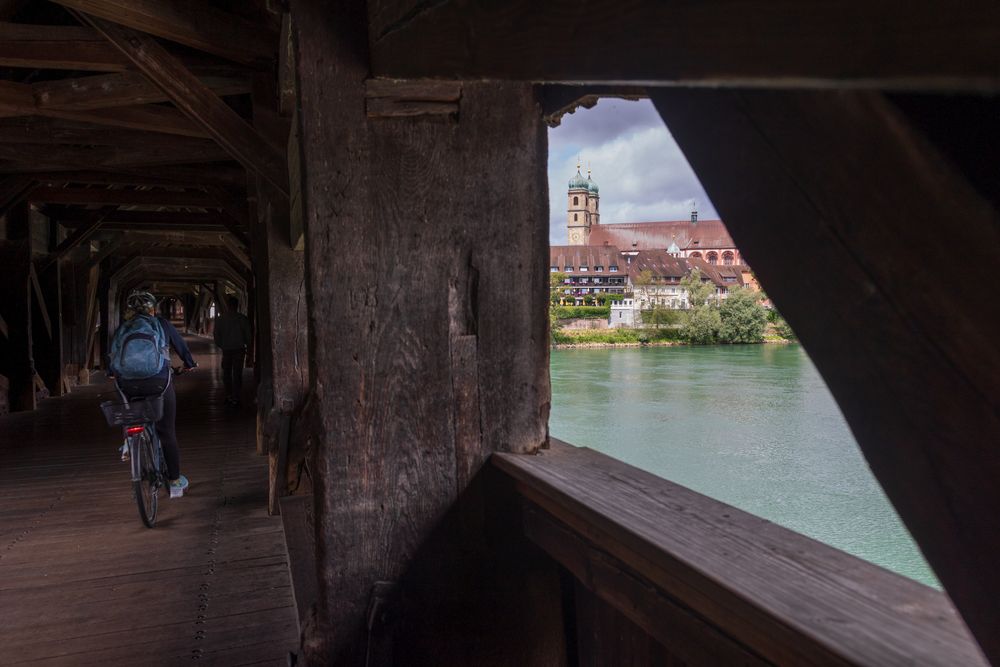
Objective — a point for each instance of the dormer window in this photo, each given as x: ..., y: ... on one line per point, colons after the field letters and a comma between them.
x: 584, y: 268
x: 554, y: 269
x: 613, y: 268
x: 598, y: 268
x: 567, y: 268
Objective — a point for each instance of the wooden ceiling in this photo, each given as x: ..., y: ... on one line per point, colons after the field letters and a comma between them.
x: 118, y: 117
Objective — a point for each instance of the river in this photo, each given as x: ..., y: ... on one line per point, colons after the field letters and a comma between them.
x: 751, y: 425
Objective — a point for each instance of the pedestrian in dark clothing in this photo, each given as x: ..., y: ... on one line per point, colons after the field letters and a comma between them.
x: 232, y: 336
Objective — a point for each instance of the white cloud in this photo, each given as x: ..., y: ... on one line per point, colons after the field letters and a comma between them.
x: 641, y: 171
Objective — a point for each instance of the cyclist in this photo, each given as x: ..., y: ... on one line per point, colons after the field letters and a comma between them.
x: 143, y: 305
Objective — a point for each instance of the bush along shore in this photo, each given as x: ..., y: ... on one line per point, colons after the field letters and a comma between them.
x: 739, y: 318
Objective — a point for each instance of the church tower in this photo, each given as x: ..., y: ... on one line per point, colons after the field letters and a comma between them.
x: 578, y: 217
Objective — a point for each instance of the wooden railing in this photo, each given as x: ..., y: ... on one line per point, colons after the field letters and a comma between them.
x: 664, y: 574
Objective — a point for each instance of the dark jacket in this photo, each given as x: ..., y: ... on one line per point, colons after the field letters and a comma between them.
x: 232, y: 331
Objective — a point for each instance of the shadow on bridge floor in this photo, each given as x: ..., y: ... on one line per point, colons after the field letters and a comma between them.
x: 83, y: 582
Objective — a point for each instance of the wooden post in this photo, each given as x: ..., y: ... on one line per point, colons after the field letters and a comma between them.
x: 48, y: 345
x: 15, y: 304
x: 425, y: 360
x: 281, y: 308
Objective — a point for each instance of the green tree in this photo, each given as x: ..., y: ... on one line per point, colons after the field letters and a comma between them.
x: 702, y: 325
x: 743, y: 318
x: 699, y: 291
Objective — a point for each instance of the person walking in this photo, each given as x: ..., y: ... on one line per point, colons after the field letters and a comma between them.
x: 232, y: 336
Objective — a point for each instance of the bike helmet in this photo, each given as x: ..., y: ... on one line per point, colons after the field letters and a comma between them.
x: 141, y: 302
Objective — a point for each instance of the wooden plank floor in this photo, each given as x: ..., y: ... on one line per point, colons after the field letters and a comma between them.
x: 83, y: 582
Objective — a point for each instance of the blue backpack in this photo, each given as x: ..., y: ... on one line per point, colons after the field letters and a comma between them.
x: 139, y: 348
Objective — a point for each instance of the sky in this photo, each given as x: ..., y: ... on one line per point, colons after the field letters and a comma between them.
x: 639, y: 168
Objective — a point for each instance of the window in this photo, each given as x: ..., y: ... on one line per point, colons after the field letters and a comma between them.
x: 696, y: 254
x: 613, y: 268
x: 583, y: 268
x: 576, y: 201
x: 727, y: 258
x: 728, y: 279
x: 713, y: 258
x: 574, y: 217
x: 598, y: 268
x: 553, y: 269
x: 567, y: 268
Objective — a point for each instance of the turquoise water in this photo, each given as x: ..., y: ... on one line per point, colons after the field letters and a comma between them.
x: 751, y: 425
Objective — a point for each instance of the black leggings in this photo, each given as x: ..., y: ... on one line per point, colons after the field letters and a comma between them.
x: 166, y: 427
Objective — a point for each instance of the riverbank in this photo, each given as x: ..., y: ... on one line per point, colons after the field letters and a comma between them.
x: 625, y: 338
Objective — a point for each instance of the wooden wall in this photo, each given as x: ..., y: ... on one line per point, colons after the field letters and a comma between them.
x: 426, y: 252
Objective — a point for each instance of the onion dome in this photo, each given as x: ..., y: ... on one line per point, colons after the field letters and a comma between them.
x: 578, y: 182
x: 591, y: 185
x: 673, y: 249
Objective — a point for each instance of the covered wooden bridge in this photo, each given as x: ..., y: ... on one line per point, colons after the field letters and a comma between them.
x: 369, y: 180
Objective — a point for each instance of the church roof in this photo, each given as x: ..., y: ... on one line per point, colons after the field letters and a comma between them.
x: 659, y: 235
x: 578, y: 182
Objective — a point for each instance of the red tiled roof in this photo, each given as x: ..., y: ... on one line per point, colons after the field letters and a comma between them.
x: 659, y: 235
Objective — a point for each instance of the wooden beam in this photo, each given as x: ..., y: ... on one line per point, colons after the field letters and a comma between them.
x: 56, y: 132
x: 28, y: 158
x: 15, y: 98
x: 148, y: 118
x: 3, y: 327
x: 106, y: 250
x: 199, y: 103
x: 843, y: 180
x: 80, y: 235
x: 81, y: 48
x: 84, y: 195
x: 40, y: 297
x: 13, y: 190
x: 166, y: 176
x: 868, y: 43
x: 123, y: 89
x: 189, y: 22
x: 718, y: 586
x: 73, y: 217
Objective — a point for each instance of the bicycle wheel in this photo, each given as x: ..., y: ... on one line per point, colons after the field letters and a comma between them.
x: 146, y: 488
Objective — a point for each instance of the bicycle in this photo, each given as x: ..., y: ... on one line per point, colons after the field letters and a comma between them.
x: 138, y: 418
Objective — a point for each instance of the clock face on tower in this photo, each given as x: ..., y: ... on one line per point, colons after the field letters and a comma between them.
x: 574, y: 237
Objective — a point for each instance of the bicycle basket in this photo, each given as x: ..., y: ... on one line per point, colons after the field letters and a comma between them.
x: 139, y: 411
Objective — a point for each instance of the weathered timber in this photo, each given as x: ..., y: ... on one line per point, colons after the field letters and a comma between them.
x: 55, y: 132
x: 189, y: 22
x: 15, y: 98
x: 118, y: 90
x: 430, y: 246
x: 281, y: 335
x: 47, y: 351
x: 79, y: 236
x: 121, y: 197
x: 160, y: 176
x: 706, y: 571
x: 844, y: 177
x: 714, y: 43
x: 27, y: 158
x: 390, y: 99
x: 197, y: 101
x: 297, y: 519
x: 13, y: 190
x: 149, y: 118
x: 15, y: 304
x: 79, y: 48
